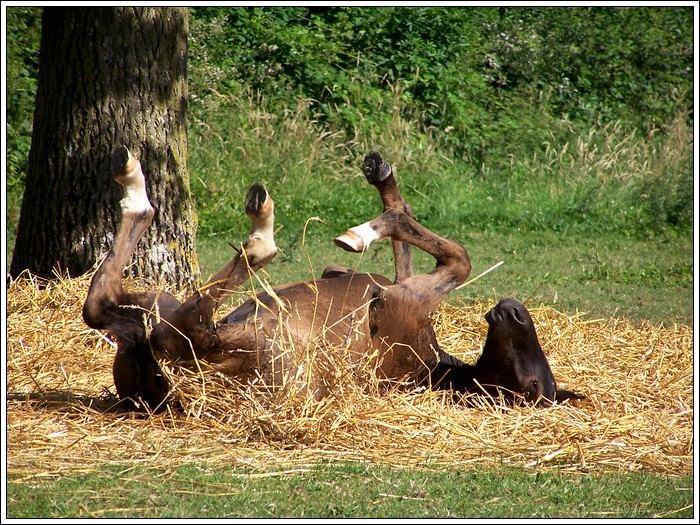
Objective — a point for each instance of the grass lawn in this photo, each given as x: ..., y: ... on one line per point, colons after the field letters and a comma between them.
x: 612, y: 275
x: 596, y: 220
x: 350, y: 490
x: 605, y: 276
x: 610, y: 264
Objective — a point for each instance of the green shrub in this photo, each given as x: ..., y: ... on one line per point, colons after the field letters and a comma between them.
x: 23, y: 33
x: 485, y: 82
x: 609, y: 179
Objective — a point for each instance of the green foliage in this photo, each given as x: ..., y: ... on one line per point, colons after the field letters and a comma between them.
x: 308, y: 167
x: 609, y: 179
x: 554, y: 119
x: 598, y: 64
x: 350, y: 490
x: 486, y: 82
x: 23, y: 33
x: 582, y: 224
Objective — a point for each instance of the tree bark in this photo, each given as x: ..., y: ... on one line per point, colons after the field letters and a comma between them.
x: 108, y: 76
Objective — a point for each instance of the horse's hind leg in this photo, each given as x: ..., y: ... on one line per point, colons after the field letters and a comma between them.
x: 380, y: 174
x: 453, y: 263
x: 397, y: 223
x: 190, y: 328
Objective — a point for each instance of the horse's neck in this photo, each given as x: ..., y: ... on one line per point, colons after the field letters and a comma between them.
x: 453, y: 373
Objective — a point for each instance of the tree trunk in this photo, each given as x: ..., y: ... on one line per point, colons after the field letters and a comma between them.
x: 108, y: 76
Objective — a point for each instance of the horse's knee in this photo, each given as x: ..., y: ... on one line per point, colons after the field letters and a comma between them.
x: 95, y: 311
x: 92, y: 315
x: 126, y: 374
x: 459, y: 263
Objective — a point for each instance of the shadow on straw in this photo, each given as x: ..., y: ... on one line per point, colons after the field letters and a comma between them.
x: 61, y: 399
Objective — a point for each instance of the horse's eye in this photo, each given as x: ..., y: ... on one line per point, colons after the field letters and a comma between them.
x: 533, y: 389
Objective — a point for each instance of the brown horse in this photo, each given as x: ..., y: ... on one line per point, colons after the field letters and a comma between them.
x: 364, y: 314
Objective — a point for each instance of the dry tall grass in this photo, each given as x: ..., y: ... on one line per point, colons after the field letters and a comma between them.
x: 292, y: 142
x: 613, y: 152
x: 637, y: 416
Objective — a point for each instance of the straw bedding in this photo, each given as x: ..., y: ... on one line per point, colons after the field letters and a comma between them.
x: 637, y: 416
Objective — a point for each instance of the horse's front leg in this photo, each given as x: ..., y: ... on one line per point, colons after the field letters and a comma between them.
x: 190, y: 331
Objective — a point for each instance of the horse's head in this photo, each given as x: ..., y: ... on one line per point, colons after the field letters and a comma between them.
x: 512, y: 362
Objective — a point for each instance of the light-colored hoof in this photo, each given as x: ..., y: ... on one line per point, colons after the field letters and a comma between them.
x: 350, y: 242
x: 357, y: 239
x: 126, y: 170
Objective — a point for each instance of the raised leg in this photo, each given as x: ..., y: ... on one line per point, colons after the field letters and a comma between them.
x: 122, y: 314
x: 256, y: 251
x: 400, y: 314
x: 100, y: 309
x: 380, y: 174
x: 453, y: 263
x: 191, y: 330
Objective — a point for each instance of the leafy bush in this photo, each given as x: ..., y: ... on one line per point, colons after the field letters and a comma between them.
x: 610, y: 179
x: 485, y: 82
x: 511, y: 118
x: 508, y: 117
x: 23, y: 33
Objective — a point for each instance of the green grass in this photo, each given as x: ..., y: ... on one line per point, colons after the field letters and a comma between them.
x: 595, y: 224
x: 349, y: 490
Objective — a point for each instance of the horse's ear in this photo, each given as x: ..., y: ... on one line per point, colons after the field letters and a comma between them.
x: 563, y: 395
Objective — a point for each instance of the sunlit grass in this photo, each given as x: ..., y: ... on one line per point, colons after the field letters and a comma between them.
x: 588, y: 223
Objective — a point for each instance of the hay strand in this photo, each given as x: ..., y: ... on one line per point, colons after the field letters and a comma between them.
x: 638, y: 415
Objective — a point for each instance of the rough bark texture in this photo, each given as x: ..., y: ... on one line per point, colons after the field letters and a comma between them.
x: 108, y: 76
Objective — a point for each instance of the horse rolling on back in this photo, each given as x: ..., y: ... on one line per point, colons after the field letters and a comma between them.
x: 364, y: 314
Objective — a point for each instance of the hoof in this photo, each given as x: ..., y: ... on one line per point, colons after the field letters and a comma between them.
x: 350, y: 242
x: 126, y: 170
x: 123, y: 161
x: 357, y: 239
x: 375, y: 169
x: 257, y: 200
x: 260, y: 246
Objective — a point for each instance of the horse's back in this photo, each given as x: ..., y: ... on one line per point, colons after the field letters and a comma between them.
x: 329, y: 306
